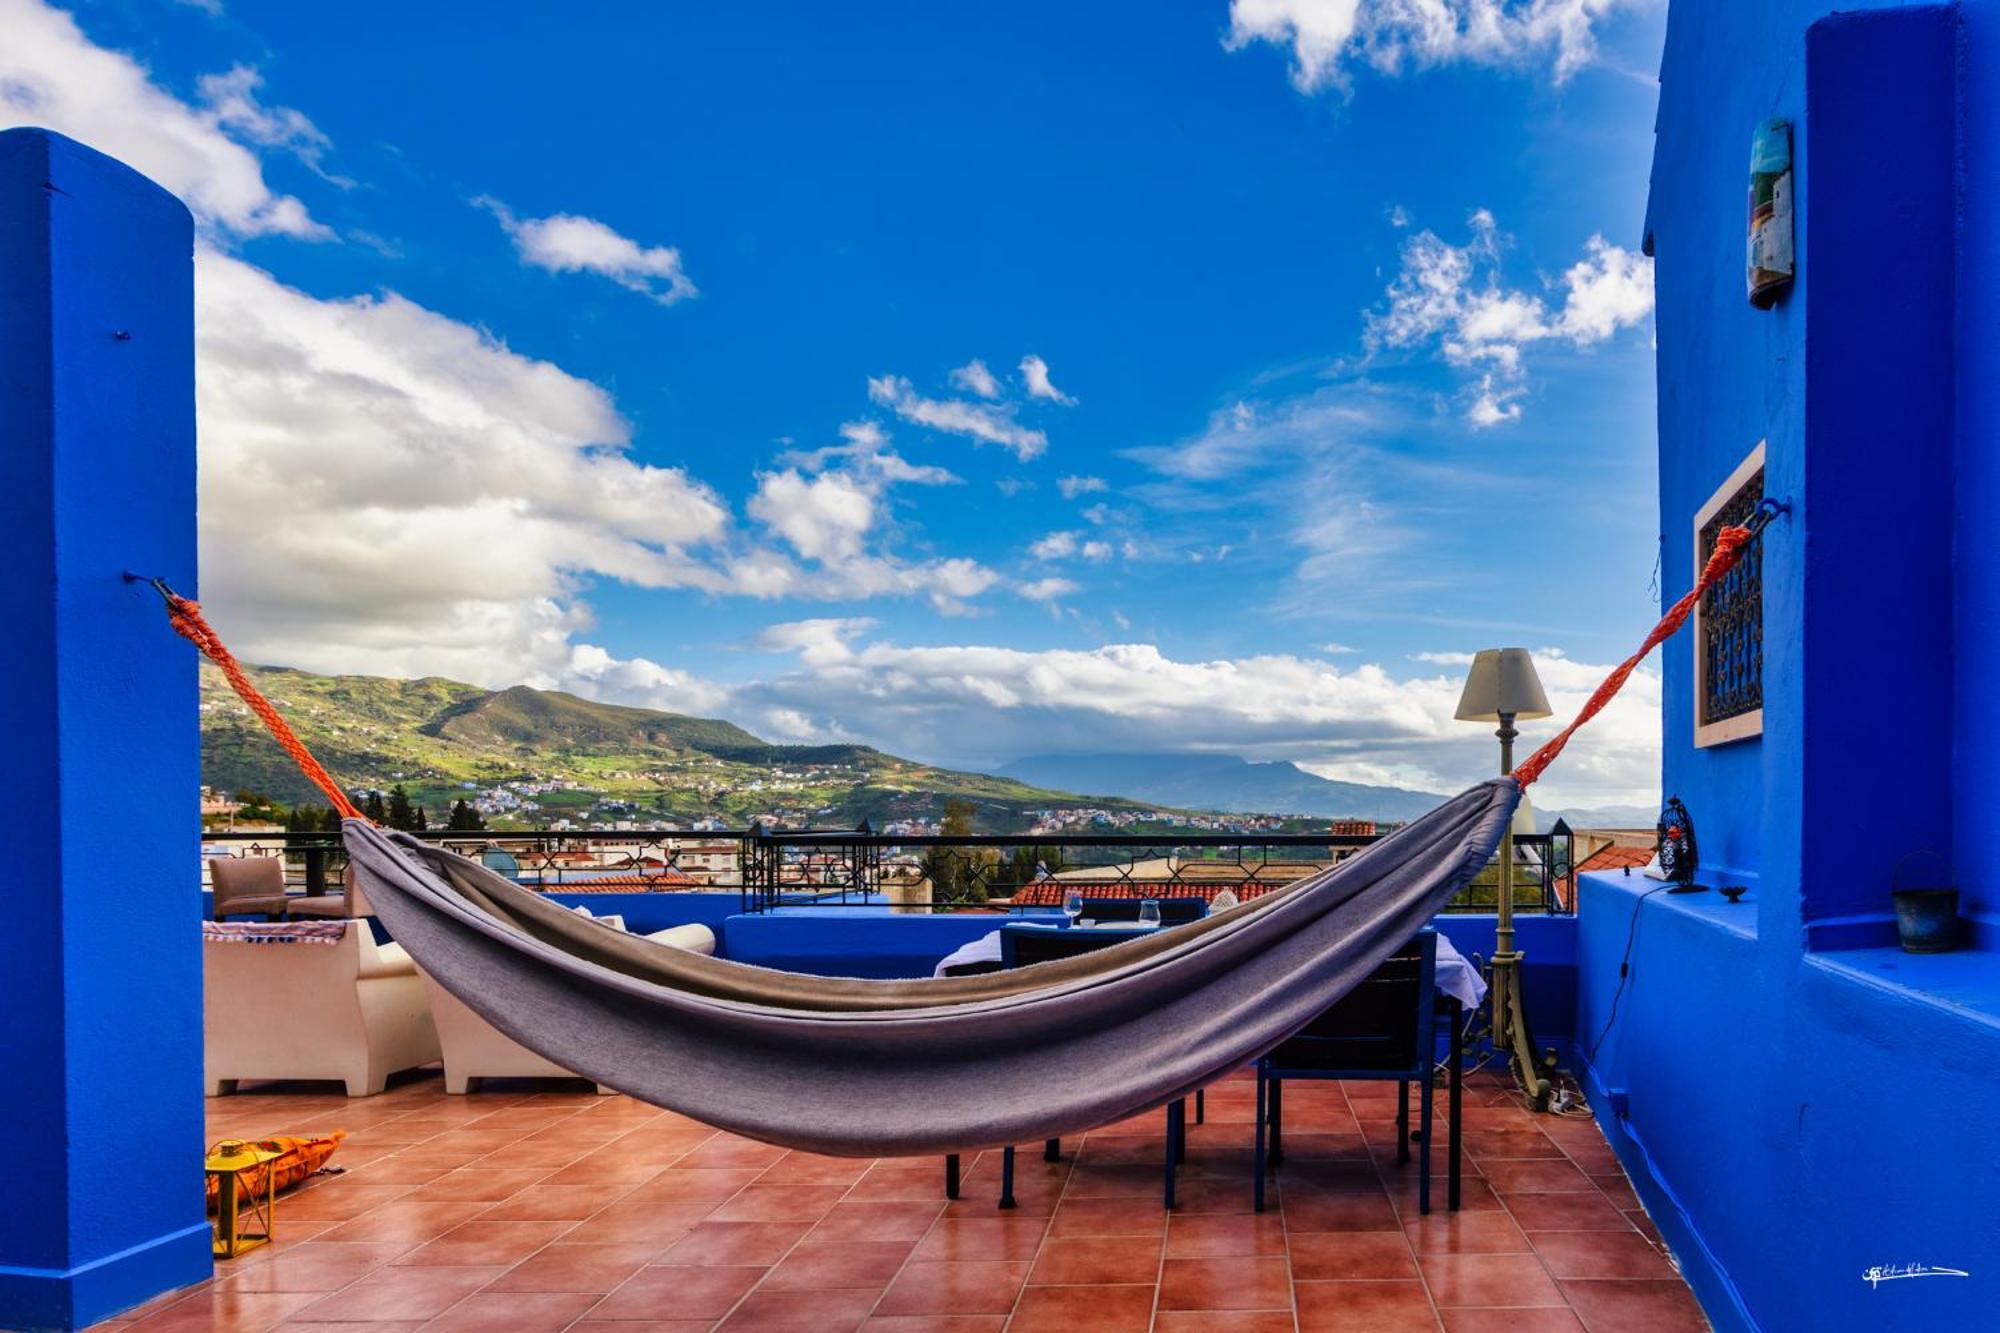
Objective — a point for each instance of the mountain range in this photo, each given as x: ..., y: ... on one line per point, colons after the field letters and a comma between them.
x: 1228, y: 783
x: 1220, y: 782
x: 444, y: 740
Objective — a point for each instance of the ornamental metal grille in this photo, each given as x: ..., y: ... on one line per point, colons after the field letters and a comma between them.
x: 1732, y: 618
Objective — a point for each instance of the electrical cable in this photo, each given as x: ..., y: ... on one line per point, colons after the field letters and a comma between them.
x: 1624, y: 969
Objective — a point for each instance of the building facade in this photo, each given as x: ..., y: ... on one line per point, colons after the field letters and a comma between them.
x: 1806, y: 1110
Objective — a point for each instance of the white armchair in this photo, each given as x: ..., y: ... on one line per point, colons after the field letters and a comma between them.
x: 475, y: 1049
x: 346, y: 1009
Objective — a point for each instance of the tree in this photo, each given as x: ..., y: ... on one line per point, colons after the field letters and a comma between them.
x: 401, y: 814
x: 464, y: 819
x: 1028, y: 864
x: 423, y: 820
x: 311, y: 819
x: 960, y: 874
x: 372, y: 808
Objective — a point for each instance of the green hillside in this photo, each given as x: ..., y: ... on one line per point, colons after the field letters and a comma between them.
x: 580, y: 760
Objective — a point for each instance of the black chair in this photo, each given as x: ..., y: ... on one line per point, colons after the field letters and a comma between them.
x: 1024, y: 946
x: 1385, y: 1028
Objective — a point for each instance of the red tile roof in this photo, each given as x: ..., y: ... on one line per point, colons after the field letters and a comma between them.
x: 658, y: 881
x: 1616, y: 857
x: 1049, y: 892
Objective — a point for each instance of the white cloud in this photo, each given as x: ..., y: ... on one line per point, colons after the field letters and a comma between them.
x: 1095, y: 552
x: 1055, y: 546
x: 1047, y: 590
x: 1327, y: 37
x: 595, y: 673
x: 825, y: 518
x: 986, y: 424
x: 52, y: 75
x: 1239, y: 481
x: 567, y: 243
x: 1338, y: 649
x: 1071, y: 487
x: 1035, y: 373
x: 965, y: 704
x: 864, y: 450
x: 1608, y: 289
x: 232, y: 104
x: 1454, y: 297
x: 819, y: 643
x: 385, y: 489
x: 974, y: 377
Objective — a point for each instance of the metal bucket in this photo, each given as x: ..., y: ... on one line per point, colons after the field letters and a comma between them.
x: 1926, y: 919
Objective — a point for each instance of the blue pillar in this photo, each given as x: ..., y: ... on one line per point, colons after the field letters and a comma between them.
x: 100, y: 970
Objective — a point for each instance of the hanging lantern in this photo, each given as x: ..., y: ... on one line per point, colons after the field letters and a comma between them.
x: 1770, y: 252
x: 1675, y: 842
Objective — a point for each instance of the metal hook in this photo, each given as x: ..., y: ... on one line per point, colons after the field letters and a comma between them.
x: 158, y: 585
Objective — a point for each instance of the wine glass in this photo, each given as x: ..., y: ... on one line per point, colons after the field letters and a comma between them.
x: 1149, y: 913
x: 1073, y: 904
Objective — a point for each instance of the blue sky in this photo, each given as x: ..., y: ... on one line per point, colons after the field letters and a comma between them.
x: 634, y: 354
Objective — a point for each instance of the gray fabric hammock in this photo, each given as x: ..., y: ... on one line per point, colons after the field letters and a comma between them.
x: 878, y: 1068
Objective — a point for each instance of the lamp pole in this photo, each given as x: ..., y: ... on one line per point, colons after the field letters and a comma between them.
x: 1503, y: 930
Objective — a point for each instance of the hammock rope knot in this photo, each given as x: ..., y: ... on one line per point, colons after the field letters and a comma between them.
x: 184, y: 614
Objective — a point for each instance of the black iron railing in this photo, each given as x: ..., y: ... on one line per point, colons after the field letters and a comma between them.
x: 634, y: 861
x: 942, y: 872
x: 769, y: 869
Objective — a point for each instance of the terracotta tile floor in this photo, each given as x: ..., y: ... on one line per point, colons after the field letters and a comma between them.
x: 533, y: 1207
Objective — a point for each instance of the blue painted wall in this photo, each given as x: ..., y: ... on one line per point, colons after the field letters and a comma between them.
x: 644, y: 912
x: 853, y: 941
x: 1785, y: 1086
x: 100, y: 980
x: 1548, y: 974
x: 1975, y: 534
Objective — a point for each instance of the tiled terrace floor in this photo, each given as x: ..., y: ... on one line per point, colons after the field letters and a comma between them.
x: 529, y: 1209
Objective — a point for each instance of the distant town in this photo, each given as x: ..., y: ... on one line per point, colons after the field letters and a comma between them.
x: 513, y: 807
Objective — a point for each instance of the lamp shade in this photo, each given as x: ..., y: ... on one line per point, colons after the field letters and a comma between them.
x: 1502, y: 680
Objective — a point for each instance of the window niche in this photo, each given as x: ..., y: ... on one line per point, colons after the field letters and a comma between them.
x: 1729, y: 619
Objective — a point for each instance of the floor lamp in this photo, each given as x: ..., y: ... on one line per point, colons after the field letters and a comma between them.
x: 1502, y: 687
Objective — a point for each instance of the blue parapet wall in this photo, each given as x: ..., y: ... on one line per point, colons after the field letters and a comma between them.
x: 648, y: 912
x: 1790, y: 1121
x: 100, y: 976
x: 856, y: 941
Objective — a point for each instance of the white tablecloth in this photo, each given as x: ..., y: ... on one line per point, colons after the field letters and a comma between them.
x: 1455, y: 976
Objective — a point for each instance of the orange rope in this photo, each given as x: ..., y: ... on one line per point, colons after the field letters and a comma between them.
x: 1729, y: 544
x: 187, y: 620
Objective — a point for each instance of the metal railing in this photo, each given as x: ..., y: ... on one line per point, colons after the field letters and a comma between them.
x: 771, y: 869
x: 980, y: 872
x: 624, y: 861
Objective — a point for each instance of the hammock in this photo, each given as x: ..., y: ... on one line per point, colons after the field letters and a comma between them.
x: 871, y: 1068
